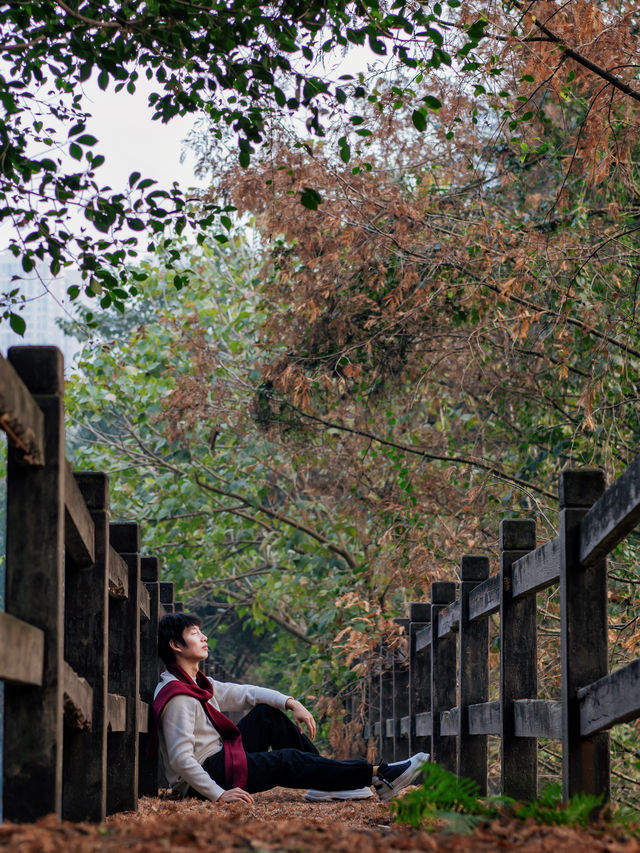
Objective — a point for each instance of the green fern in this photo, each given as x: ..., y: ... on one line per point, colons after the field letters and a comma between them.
x: 550, y: 809
x: 443, y: 797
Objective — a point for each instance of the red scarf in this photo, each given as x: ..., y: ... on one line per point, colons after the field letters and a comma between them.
x: 235, y: 759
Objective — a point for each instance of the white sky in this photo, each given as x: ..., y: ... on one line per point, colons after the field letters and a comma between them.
x: 131, y: 141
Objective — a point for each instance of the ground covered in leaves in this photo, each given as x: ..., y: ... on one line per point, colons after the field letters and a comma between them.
x: 282, y: 821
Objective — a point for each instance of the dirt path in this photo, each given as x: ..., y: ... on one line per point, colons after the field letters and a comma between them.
x: 282, y: 821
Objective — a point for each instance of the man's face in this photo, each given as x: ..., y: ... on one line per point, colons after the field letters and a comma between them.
x: 195, y: 645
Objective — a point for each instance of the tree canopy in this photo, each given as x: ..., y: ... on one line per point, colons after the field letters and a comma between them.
x: 242, y: 65
x: 442, y: 315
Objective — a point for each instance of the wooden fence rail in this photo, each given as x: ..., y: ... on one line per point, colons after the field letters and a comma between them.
x: 435, y: 698
x: 78, y: 638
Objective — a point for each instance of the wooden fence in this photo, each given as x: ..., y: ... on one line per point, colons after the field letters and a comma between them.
x: 435, y: 698
x: 78, y: 639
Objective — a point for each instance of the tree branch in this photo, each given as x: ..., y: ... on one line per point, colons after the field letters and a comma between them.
x: 425, y: 454
x: 578, y: 57
x: 323, y: 540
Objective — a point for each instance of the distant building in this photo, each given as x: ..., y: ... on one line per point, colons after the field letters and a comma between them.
x: 46, y: 302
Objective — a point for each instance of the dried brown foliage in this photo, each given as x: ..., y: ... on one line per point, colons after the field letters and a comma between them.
x: 281, y: 820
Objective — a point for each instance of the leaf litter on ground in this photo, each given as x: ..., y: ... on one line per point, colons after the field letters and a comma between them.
x: 281, y: 821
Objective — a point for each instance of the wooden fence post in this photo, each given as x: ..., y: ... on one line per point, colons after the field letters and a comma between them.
x: 419, y: 677
x: 149, y: 673
x: 84, y: 793
x: 443, y: 676
x: 373, y: 713
x: 166, y: 595
x: 33, y: 716
x: 401, y: 720
x: 473, y: 669
x: 387, y: 740
x: 124, y: 674
x: 518, y: 663
x: 583, y: 626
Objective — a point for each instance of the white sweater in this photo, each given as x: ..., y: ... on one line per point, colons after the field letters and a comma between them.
x: 187, y: 737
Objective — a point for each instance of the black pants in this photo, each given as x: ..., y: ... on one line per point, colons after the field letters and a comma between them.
x: 278, y: 754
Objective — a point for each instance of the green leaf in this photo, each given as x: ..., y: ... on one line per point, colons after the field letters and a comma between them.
x: 17, y: 324
x: 419, y: 119
x: 431, y: 102
x: 310, y: 198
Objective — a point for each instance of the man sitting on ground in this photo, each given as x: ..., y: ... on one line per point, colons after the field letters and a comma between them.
x: 205, y: 755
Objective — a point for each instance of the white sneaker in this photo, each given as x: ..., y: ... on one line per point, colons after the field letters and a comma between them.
x: 392, y: 778
x: 315, y: 796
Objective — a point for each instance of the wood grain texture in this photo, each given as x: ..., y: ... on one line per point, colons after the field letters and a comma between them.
x: 21, y: 651
x: 20, y: 416
x: 537, y: 718
x: 79, y: 534
x: 485, y: 718
x: 612, y: 516
x: 118, y: 575
x: 449, y: 619
x: 537, y: 570
x: 78, y: 700
x: 610, y: 700
x: 116, y: 713
x: 583, y: 637
x: 485, y: 598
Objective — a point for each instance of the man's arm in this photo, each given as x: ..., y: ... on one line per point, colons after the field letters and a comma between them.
x: 301, y: 716
x: 178, y: 729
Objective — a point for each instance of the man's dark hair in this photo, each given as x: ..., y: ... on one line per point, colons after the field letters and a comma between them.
x: 172, y: 627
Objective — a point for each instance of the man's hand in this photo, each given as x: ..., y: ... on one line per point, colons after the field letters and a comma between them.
x: 234, y: 795
x: 301, y: 715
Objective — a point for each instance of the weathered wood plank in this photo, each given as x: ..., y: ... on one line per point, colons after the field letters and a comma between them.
x: 35, y: 594
x: 116, y: 712
x: 518, y: 663
x: 443, y: 676
x: 20, y: 416
x: 538, y: 569
x: 78, y: 700
x: 387, y: 745
x: 450, y: 722
x: 612, y: 516
x: 84, y: 790
x: 145, y: 604
x: 118, y: 575
x: 423, y: 637
x: 449, y: 619
x: 537, y: 718
x: 485, y: 598
x: 424, y: 726
x: 473, y: 672
x: 143, y: 716
x: 400, y: 699
x: 610, y: 700
x: 167, y: 595
x: 405, y: 727
x: 583, y: 636
x: 485, y: 718
x: 21, y: 651
x: 124, y: 673
x: 419, y: 674
x: 79, y: 532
